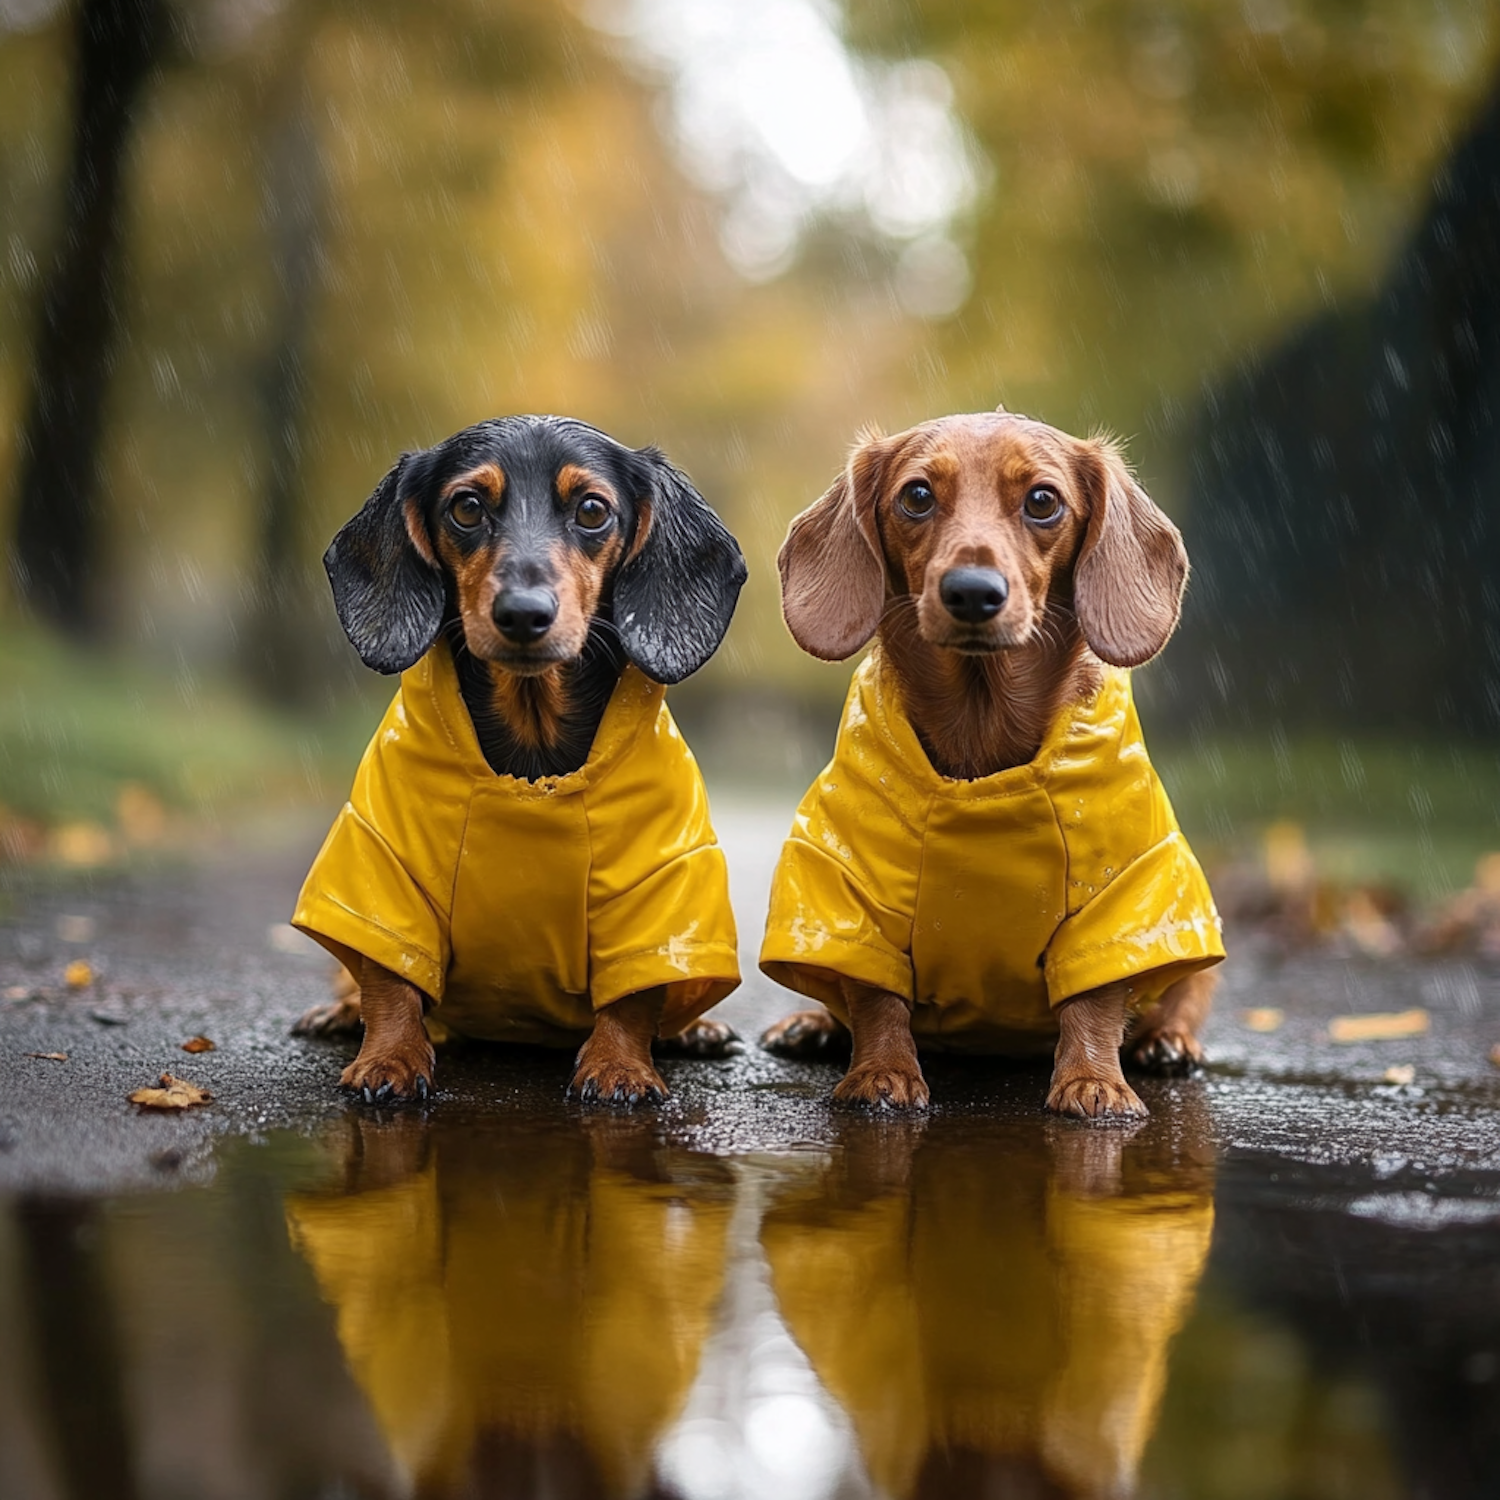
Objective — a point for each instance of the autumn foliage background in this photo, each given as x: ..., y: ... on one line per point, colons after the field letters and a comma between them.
x: 349, y: 229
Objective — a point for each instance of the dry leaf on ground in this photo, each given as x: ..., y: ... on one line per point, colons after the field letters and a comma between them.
x: 1378, y: 1027
x: 78, y: 975
x: 1495, y: 1055
x: 174, y: 1093
x: 1263, y: 1018
x: 49, y: 1056
x: 1401, y: 1073
x: 199, y: 1044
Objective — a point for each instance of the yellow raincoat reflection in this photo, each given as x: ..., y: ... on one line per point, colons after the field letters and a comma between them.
x: 988, y: 902
x: 513, y: 1300
x: 987, y: 1312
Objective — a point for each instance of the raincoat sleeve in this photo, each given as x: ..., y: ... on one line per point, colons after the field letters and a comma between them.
x: 825, y: 922
x: 659, y: 911
x: 1153, y: 923
x: 359, y: 899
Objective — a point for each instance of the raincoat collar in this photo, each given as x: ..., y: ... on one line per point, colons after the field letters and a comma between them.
x: 1078, y: 730
x: 634, y: 703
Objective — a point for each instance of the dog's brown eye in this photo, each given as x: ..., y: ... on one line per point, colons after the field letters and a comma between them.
x: 466, y: 509
x: 917, y: 500
x: 592, y: 513
x: 1042, y: 504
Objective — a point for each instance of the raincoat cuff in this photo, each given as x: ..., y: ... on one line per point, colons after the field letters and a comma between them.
x: 349, y: 937
x: 1153, y: 924
x: 838, y: 959
x: 689, y: 970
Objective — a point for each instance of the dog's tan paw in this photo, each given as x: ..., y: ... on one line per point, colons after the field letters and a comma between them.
x: 1169, y: 1053
x: 337, y: 1018
x: 392, y: 1074
x: 883, y: 1086
x: 704, y: 1038
x: 1096, y: 1099
x: 807, y: 1036
x: 612, y: 1079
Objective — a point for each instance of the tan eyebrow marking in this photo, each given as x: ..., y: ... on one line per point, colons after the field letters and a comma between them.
x: 574, y: 478
x: 487, y: 478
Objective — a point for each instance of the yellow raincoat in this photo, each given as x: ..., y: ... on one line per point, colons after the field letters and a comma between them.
x: 988, y: 902
x: 522, y: 907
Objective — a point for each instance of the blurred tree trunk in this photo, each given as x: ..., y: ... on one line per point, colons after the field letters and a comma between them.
x: 279, y: 654
x: 1345, y: 531
x: 59, y: 517
x: 75, y: 1346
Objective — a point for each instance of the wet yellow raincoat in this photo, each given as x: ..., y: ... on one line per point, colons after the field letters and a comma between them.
x: 987, y: 902
x: 522, y: 907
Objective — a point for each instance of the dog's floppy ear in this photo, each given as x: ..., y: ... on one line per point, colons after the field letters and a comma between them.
x: 832, y: 572
x: 1132, y: 566
x: 675, y: 594
x: 386, y: 584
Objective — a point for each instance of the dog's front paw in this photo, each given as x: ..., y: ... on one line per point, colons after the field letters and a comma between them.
x: 392, y: 1074
x: 807, y: 1036
x: 703, y: 1038
x: 1089, y: 1098
x: 339, y: 1017
x: 1170, y: 1053
x: 883, y: 1085
x: 610, y: 1079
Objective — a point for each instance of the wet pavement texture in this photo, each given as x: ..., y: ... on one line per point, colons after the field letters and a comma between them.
x: 1285, y: 1283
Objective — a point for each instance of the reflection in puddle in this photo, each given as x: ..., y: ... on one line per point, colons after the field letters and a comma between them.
x: 911, y: 1312
x: 517, y: 1302
x: 569, y: 1306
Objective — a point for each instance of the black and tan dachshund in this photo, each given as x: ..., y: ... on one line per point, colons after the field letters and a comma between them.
x: 547, y: 562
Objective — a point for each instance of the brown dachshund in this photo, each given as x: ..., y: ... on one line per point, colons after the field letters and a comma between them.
x: 545, y: 579
x: 1005, y: 569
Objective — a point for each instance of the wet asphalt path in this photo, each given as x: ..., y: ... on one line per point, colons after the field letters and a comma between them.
x: 180, y: 950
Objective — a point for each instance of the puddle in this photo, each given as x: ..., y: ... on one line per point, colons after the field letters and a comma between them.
x: 477, y: 1304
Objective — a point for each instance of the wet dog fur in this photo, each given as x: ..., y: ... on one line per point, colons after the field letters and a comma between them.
x: 549, y: 555
x: 999, y: 560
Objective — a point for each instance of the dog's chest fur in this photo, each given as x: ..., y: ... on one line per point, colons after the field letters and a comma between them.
x: 533, y: 727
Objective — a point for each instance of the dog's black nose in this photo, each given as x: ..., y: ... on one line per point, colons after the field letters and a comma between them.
x: 525, y: 615
x: 973, y: 595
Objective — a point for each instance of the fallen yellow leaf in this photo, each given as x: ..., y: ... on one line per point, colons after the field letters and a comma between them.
x: 1378, y: 1027
x: 50, y: 1056
x: 1263, y: 1018
x: 175, y: 1093
x: 78, y: 975
x: 1402, y: 1073
x: 1495, y: 1055
x: 81, y: 844
x: 198, y: 1044
x: 141, y: 816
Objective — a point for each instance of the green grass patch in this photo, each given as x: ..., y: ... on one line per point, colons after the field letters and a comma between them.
x: 1374, y: 809
x: 77, y: 726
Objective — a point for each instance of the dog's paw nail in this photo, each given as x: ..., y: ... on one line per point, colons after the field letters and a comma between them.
x: 635, y: 1098
x: 423, y: 1087
x: 382, y: 1093
x: 367, y: 1094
